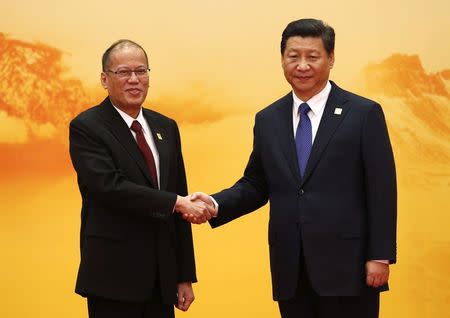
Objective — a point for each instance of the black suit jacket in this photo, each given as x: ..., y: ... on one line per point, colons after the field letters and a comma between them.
x: 130, y: 238
x: 341, y: 213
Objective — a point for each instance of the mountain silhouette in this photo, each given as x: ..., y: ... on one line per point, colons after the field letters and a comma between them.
x: 417, y: 107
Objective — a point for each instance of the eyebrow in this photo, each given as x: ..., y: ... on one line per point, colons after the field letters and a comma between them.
x: 128, y: 67
x: 305, y: 49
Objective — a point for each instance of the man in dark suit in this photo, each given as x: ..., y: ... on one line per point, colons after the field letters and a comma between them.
x: 137, y: 256
x: 323, y: 158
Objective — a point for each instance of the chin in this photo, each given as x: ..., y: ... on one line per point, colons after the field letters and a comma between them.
x: 135, y: 101
x: 303, y: 88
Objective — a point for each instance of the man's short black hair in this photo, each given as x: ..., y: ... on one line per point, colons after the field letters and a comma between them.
x: 309, y: 28
x: 119, y: 45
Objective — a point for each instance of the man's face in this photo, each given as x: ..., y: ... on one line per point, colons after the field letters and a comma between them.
x: 126, y: 93
x: 306, y: 65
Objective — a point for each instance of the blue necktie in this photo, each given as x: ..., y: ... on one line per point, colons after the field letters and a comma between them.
x: 303, y: 137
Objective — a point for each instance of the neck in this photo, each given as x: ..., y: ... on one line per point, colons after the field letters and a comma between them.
x: 305, y: 96
x: 131, y: 111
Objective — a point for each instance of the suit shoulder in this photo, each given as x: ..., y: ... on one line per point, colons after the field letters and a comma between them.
x: 284, y: 101
x: 87, y: 115
x: 358, y: 99
x: 159, y: 117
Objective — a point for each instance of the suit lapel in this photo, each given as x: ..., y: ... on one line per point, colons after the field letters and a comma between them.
x: 160, y: 135
x: 286, y: 134
x: 330, y: 121
x: 122, y: 132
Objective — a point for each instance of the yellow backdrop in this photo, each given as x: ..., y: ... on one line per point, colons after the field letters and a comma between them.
x: 214, y: 65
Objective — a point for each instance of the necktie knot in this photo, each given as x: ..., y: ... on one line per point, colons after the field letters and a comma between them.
x: 136, y: 126
x: 304, y: 108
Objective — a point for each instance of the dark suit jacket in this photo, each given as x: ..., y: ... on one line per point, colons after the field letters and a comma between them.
x: 341, y: 213
x: 129, y: 236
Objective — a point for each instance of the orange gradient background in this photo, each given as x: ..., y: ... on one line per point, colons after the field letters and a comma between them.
x: 214, y: 65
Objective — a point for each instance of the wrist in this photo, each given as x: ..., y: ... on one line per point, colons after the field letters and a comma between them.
x: 180, y: 203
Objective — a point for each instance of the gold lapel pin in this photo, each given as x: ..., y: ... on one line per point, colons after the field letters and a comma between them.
x: 159, y: 136
x: 338, y: 111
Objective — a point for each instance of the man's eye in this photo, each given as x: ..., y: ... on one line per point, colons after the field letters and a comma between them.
x: 123, y: 72
x: 140, y: 72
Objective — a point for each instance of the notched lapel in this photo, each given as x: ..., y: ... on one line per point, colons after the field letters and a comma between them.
x: 122, y: 132
x: 160, y: 137
x: 286, y: 134
x: 334, y: 113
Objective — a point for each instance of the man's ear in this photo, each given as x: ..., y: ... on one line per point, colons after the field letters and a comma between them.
x: 331, y: 59
x: 104, y: 80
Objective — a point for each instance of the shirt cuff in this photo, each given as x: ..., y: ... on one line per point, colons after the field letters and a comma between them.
x: 216, y: 207
x: 381, y: 261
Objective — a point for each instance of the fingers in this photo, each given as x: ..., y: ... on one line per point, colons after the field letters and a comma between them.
x: 369, y: 280
x: 203, y: 197
x: 193, y: 211
x: 200, y: 212
x: 185, y: 296
x: 200, y: 196
x: 192, y: 219
x: 180, y: 302
x: 377, y: 273
x: 188, y: 299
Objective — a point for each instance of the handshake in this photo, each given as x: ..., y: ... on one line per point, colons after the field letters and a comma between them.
x: 196, y: 208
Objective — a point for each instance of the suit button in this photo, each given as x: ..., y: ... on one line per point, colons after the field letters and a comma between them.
x: 301, y: 192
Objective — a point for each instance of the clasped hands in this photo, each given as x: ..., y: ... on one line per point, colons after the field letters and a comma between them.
x: 196, y: 208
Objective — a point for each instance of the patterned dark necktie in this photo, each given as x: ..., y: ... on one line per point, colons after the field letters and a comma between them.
x: 146, y: 151
x: 303, y: 137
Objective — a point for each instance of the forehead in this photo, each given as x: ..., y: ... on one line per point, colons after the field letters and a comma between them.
x: 127, y: 56
x: 295, y: 43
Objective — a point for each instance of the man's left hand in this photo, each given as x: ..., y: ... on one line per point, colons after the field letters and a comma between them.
x: 185, y: 296
x: 377, y: 273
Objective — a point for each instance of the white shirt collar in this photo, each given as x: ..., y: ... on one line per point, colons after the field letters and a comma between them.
x: 316, y: 103
x: 129, y: 120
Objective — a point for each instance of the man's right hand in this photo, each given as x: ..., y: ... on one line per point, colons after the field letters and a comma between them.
x: 202, y: 197
x: 194, y: 211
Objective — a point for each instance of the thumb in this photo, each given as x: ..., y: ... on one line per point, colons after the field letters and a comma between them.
x: 180, y: 301
x: 195, y: 196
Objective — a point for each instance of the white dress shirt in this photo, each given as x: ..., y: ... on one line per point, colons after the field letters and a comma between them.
x: 147, y: 134
x: 317, y: 105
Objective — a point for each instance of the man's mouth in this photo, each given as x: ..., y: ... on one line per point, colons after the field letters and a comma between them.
x: 134, y: 91
x: 303, y: 78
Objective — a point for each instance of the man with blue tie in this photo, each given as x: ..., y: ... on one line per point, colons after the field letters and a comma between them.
x: 323, y: 158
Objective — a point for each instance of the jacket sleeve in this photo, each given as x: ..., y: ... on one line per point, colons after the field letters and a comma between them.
x: 381, y: 189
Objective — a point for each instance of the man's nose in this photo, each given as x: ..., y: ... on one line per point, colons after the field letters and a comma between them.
x: 302, y: 65
x: 133, y: 77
